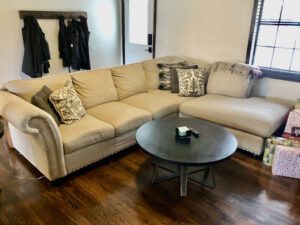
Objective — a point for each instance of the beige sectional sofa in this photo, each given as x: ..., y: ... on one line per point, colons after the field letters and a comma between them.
x: 117, y: 102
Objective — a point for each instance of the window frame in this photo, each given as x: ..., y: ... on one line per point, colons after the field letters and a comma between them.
x: 253, y: 35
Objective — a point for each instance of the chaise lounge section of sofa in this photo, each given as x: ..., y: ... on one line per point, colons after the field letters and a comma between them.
x: 117, y: 102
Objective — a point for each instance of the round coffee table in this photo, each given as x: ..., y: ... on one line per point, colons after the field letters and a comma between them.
x: 214, y: 145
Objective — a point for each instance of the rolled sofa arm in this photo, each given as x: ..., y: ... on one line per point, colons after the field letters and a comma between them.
x: 35, y: 134
x: 18, y: 112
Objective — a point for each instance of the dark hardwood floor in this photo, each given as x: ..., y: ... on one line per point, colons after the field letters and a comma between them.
x: 118, y: 190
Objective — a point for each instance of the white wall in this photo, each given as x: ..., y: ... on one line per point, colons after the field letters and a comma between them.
x: 103, y: 22
x: 278, y: 90
x: 214, y: 30
x: 208, y: 29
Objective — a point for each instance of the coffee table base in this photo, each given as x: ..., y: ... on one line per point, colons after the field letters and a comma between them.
x: 185, y: 175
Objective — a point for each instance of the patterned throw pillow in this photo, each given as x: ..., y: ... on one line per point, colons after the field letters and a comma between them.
x: 165, y: 74
x: 191, y: 82
x: 174, y: 77
x: 67, y: 103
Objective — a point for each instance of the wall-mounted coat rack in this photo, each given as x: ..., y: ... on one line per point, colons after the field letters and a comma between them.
x: 52, y: 14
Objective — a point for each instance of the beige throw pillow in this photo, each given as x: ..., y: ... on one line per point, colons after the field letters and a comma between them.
x: 191, y: 82
x: 67, y: 103
x: 230, y: 79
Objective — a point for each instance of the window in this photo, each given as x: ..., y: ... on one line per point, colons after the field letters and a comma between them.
x: 138, y: 21
x: 275, y: 41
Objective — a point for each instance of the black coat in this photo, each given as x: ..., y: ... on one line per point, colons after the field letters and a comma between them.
x: 36, y: 49
x: 62, y: 43
x: 75, y: 37
x: 85, y: 64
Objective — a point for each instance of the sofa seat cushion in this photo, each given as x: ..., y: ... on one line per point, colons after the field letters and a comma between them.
x: 85, y: 132
x: 158, y: 106
x: 257, y: 116
x: 172, y: 96
x: 122, y: 117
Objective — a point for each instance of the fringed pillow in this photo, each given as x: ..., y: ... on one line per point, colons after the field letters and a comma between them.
x: 230, y: 79
x: 165, y: 74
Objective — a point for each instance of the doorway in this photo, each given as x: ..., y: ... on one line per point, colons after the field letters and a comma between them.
x: 138, y: 30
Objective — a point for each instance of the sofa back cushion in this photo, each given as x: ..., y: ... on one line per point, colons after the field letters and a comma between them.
x: 230, y: 79
x: 152, y: 71
x: 27, y: 88
x: 194, y: 61
x: 129, y: 80
x: 95, y: 87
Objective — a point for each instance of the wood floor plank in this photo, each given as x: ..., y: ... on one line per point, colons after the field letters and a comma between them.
x: 118, y: 190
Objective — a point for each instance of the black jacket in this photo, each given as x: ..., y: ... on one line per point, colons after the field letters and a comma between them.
x: 72, y: 38
x: 75, y: 37
x: 36, y: 49
x: 62, y: 43
x: 85, y: 64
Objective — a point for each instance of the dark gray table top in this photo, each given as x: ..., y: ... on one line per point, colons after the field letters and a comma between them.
x: 214, y: 144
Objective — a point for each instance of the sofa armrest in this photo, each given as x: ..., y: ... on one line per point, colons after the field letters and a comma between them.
x: 36, y: 135
x: 18, y: 112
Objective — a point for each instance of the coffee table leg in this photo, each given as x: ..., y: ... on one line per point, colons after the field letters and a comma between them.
x: 183, y: 180
x: 156, y: 179
x: 155, y: 168
x: 209, y: 171
x: 212, y: 178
